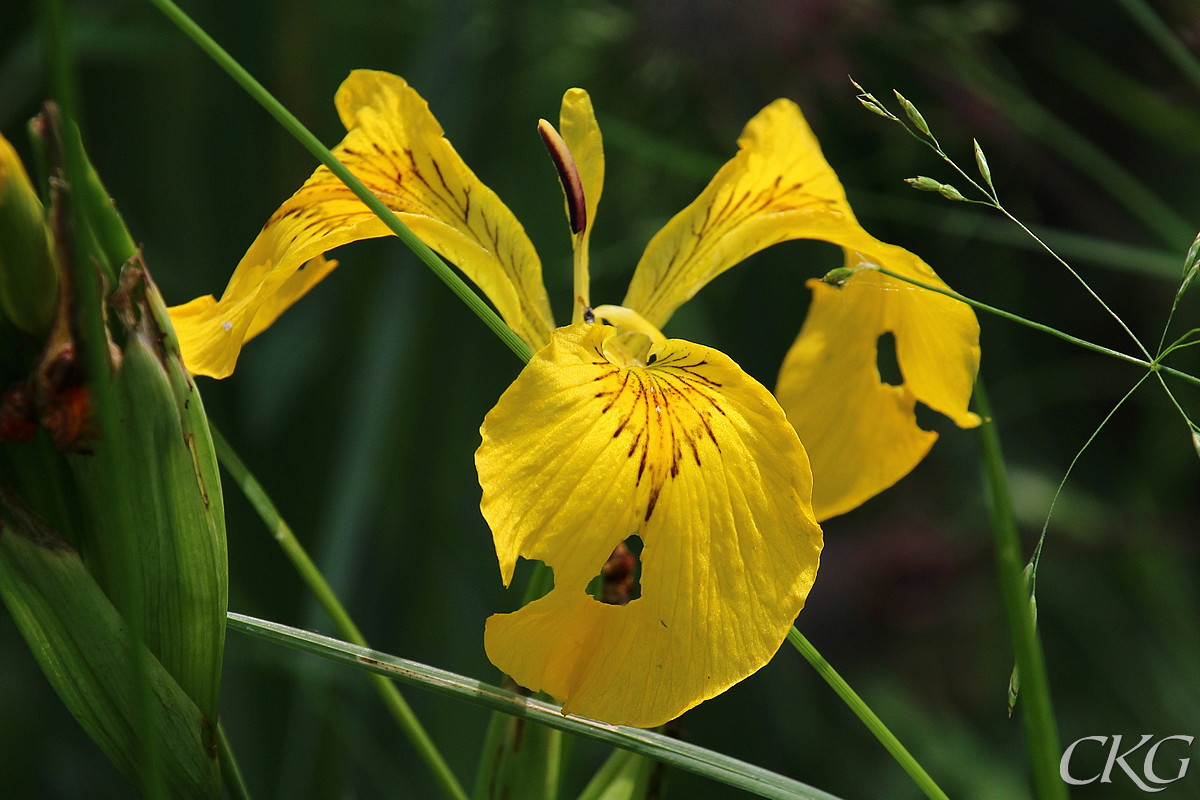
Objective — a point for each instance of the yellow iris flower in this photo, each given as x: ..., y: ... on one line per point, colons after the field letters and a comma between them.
x: 613, y: 430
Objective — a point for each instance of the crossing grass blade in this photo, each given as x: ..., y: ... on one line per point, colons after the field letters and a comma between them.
x: 685, y: 756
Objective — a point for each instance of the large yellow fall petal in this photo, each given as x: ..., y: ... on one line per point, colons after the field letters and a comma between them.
x: 778, y: 187
x: 694, y: 457
x: 397, y: 148
x: 861, y: 434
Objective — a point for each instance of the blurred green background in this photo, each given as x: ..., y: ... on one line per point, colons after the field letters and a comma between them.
x: 359, y: 410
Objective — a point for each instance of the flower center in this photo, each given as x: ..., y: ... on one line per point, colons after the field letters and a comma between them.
x: 637, y: 342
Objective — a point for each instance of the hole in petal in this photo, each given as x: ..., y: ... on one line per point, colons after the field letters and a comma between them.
x: 619, y: 581
x: 885, y: 359
x: 540, y: 577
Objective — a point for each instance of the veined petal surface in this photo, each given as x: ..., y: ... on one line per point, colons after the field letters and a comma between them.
x: 694, y: 457
x: 398, y: 149
x: 778, y: 187
x: 861, y: 434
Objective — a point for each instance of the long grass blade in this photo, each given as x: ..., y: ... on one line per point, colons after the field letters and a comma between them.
x: 706, y: 763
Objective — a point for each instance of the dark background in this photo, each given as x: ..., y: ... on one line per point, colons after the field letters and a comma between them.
x: 359, y: 410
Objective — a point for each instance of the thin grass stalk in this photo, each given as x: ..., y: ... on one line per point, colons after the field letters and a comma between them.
x: 1153, y: 366
x: 1041, y: 730
x: 395, y: 703
x: 231, y: 773
x: 1123, y: 186
x: 673, y: 752
x: 868, y: 717
x: 310, y: 142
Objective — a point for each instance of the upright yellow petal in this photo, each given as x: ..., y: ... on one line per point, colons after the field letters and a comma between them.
x: 397, y: 148
x: 577, y: 121
x: 778, y: 187
x: 694, y: 457
x: 861, y: 434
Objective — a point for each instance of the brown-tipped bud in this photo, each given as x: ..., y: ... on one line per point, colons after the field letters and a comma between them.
x: 568, y: 174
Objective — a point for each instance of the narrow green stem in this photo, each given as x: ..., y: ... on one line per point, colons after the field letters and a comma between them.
x: 1041, y: 731
x: 1087, y: 287
x: 1150, y: 365
x: 310, y: 142
x: 231, y: 774
x: 673, y: 752
x: 312, y: 577
x: 868, y: 717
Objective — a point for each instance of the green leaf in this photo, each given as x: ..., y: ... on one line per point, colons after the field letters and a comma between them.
x: 156, y: 542
x: 706, y: 763
x: 114, y: 686
x: 624, y: 776
x: 520, y: 760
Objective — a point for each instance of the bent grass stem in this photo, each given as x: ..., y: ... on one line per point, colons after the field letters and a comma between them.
x: 324, y: 594
x: 311, y: 143
x: 1152, y: 366
x: 866, y: 715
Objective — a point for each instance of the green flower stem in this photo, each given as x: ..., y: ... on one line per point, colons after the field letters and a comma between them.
x: 868, y: 717
x: 310, y: 142
x: 235, y: 784
x: 1041, y: 731
x: 311, y: 575
x: 1153, y: 366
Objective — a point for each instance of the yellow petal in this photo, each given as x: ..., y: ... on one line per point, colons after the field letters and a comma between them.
x: 778, y: 187
x: 861, y: 434
x: 397, y: 148
x: 577, y: 122
x: 211, y: 334
x: 694, y: 457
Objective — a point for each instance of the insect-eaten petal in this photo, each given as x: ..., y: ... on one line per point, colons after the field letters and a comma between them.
x: 693, y: 457
x: 860, y: 432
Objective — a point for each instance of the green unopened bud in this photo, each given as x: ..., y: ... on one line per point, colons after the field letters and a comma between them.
x: 982, y: 164
x: 116, y: 506
x: 871, y: 104
x: 168, y: 516
x: 838, y: 277
x: 925, y: 184
x: 921, y: 183
x: 1191, y: 266
x: 914, y: 116
x: 950, y: 193
x: 28, y: 276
